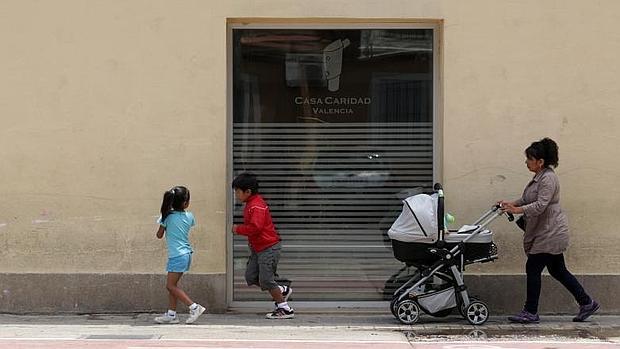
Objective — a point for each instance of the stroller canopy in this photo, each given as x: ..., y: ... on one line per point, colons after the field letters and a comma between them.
x: 417, y: 221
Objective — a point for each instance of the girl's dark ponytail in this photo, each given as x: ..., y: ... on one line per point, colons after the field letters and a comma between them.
x: 166, y: 204
x: 174, y: 200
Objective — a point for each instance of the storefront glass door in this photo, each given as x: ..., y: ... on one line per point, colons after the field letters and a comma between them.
x: 338, y: 125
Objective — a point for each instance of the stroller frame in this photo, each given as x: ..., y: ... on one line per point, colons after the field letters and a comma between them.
x: 405, y: 305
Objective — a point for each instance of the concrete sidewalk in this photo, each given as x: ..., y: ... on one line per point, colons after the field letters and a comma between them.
x: 306, y: 326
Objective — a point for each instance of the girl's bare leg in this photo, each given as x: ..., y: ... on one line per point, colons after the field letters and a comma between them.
x: 174, y: 292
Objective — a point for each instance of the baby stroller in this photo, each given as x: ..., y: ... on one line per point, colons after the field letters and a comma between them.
x: 420, y: 240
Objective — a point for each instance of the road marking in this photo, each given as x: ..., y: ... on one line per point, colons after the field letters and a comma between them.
x: 475, y: 346
x: 74, y: 339
x: 512, y: 345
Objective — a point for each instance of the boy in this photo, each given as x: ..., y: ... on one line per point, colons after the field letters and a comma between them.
x: 264, y: 242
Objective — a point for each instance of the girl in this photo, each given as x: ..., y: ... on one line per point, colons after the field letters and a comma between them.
x: 175, y: 222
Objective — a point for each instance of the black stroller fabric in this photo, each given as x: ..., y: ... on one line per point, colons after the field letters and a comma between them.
x: 415, y: 253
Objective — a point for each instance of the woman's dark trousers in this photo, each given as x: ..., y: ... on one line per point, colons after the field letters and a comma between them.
x: 557, y: 269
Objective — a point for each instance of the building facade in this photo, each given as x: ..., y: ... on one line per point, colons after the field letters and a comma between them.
x: 342, y: 108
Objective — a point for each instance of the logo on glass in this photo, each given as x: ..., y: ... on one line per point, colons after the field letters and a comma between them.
x: 332, y: 63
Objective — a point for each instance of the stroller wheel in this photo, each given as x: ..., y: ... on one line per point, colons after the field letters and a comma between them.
x: 407, y: 312
x: 393, y: 305
x: 477, y: 313
x: 462, y: 306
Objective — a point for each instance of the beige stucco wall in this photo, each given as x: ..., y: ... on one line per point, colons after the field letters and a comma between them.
x: 515, y: 72
x: 105, y: 104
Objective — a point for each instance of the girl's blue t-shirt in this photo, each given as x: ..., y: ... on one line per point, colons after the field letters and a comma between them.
x: 177, y: 226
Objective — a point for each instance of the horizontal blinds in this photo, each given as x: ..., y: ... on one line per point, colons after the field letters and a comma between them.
x: 333, y: 190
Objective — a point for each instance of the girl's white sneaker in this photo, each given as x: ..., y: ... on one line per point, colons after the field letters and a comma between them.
x: 167, y: 319
x: 195, y: 314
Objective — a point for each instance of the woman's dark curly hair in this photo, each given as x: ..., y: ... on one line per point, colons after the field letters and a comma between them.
x: 545, y: 149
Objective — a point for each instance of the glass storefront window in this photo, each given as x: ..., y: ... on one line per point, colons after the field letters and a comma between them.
x: 338, y: 126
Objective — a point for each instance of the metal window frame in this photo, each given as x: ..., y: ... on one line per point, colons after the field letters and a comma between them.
x: 332, y: 23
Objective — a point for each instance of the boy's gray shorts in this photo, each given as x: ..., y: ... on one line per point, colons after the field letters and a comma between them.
x: 262, y: 266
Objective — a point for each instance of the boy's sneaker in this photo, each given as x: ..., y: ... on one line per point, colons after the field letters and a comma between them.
x: 281, y: 313
x: 287, y: 293
x: 167, y: 319
x: 275, y: 307
x: 586, y: 310
x: 525, y: 317
x: 195, y: 314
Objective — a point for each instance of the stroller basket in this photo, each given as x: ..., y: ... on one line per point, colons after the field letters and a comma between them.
x: 416, y: 253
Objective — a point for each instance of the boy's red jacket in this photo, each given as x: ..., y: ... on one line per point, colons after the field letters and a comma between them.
x: 257, y: 224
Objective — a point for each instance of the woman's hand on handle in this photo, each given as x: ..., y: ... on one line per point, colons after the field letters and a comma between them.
x: 508, y: 206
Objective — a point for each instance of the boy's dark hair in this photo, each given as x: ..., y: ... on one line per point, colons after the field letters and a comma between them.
x: 545, y: 149
x: 174, y: 199
x: 245, y: 181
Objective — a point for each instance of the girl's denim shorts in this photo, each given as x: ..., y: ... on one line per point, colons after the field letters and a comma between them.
x: 179, y: 264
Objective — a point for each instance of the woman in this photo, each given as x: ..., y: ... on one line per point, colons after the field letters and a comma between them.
x: 546, y: 232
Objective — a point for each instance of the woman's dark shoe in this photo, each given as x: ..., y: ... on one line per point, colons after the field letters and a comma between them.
x: 525, y: 317
x: 585, y: 311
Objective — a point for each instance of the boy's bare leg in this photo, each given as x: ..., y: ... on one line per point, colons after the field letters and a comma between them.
x: 176, y: 292
x: 276, y: 294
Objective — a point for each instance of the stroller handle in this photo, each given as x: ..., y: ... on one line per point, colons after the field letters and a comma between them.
x: 440, y: 210
x: 511, y: 217
x: 491, y: 215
